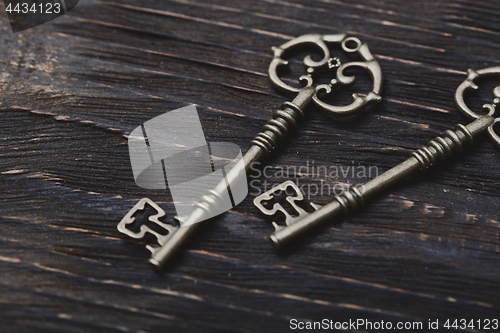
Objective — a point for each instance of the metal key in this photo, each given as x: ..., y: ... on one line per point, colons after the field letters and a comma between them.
x: 283, y: 122
x: 452, y: 143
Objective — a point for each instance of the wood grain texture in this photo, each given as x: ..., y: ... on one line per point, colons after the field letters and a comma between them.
x: 72, y: 90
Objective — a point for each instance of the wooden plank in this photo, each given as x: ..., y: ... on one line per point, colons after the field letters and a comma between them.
x: 73, y: 89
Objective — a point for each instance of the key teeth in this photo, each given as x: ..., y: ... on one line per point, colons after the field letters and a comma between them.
x: 161, y: 238
x: 277, y: 227
x: 315, y: 206
x: 152, y: 249
x: 289, y: 219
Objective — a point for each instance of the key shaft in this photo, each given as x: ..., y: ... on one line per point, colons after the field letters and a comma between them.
x: 452, y: 143
x: 274, y: 133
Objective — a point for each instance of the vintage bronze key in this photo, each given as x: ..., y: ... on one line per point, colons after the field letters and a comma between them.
x: 452, y: 143
x: 283, y: 122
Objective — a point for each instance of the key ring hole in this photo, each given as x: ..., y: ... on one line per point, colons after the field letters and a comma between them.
x: 351, y: 44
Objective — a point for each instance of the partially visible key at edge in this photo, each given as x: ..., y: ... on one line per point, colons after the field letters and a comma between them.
x: 452, y: 143
x: 286, y: 119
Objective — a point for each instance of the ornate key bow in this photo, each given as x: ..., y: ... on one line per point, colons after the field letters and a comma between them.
x: 320, y: 41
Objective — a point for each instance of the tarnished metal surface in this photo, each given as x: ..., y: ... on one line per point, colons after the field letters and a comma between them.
x: 452, y: 143
x: 285, y: 120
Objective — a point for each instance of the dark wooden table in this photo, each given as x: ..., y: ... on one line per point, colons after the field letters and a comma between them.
x: 73, y: 89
